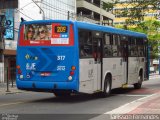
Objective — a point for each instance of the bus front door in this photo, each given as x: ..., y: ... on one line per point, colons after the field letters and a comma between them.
x: 124, y: 61
x: 97, y: 54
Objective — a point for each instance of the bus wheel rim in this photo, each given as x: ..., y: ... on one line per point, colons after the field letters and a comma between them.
x: 108, y: 87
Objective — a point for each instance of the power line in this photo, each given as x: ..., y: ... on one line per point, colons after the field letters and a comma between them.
x: 26, y: 5
x: 24, y: 14
x: 51, y: 6
x: 66, y: 14
x: 43, y: 14
x: 58, y: 9
x: 65, y: 3
x: 55, y: 7
x: 57, y: 12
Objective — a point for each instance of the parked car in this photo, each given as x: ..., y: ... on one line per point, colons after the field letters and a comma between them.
x: 152, y: 70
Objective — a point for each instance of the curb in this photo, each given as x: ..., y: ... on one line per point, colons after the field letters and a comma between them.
x: 11, y: 91
x: 130, y: 107
x: 7, y: 93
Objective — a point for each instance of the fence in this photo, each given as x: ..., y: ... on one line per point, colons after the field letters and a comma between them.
x: 9, y: 74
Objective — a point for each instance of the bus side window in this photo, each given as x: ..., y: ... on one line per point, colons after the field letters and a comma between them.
x: 116, y: 46
x: 108, y: 41
x: 133, y: 47
x: 124, y: 46
x: 85, y: 44
x: 141, y: 48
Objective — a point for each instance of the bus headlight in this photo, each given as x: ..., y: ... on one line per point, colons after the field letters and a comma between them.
x: 70, y: 78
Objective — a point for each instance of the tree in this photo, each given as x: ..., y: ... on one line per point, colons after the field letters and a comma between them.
x: 136, y: 10
x: 151, y: 28
x: 109, y: 5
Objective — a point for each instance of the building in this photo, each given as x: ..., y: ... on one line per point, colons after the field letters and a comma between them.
x: 59, y: 9
x: 47, y: 9
x: 123, y: 8
x: 14, y: 10
x: 93, y: 11
x: 7, y: 40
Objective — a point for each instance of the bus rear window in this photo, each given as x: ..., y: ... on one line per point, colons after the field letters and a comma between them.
x: 53, y: 34
x: 37, y: 32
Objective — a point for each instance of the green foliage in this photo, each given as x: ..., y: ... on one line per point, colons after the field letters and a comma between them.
x: 135, y: 17
x: 150, y: 28
x: 139, y: 8
x: 109, y: 6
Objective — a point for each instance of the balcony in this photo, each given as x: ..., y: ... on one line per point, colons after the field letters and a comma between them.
x: 94, y: 7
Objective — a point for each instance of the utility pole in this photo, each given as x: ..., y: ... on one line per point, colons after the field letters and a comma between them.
x: 68, y: 15
x: 158, y: 58
x: 101, y: 17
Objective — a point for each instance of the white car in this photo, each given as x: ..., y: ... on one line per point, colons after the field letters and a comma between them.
x: 152, y: 70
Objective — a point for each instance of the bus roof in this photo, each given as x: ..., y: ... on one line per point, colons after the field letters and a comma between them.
x: 90, y: 26
x: 108, y: 29
x: 46, y: 21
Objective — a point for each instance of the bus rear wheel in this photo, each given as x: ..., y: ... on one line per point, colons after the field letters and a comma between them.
x: 139, y: 84
x: 107, y: 87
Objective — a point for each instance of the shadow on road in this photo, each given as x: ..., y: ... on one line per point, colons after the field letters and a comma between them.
x: 84, y: 97
x: 92, y: 97
x: 71, y: 99
x: 131, y: 90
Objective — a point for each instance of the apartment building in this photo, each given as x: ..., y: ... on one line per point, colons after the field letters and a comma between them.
x: 123, y: 8
x: 93, y: 11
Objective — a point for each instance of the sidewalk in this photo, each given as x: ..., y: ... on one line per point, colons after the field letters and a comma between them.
x: 152, y: 74
x: 146, y: 108
x: 11, y: 90
x: 150, y: 105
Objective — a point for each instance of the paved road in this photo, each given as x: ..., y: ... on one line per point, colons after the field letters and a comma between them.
x: 78, y: 106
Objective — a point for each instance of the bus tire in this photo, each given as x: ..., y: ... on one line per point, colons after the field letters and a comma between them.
x: 107, y: 86
x: 139, y: 84
x: 62, y: 94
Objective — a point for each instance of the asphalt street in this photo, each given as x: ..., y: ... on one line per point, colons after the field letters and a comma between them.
x: 83, y: 106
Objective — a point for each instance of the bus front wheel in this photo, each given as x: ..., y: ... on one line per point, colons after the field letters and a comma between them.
x: 107, y: 87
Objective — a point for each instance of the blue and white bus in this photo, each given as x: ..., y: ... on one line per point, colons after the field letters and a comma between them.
x: 62, y: 57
